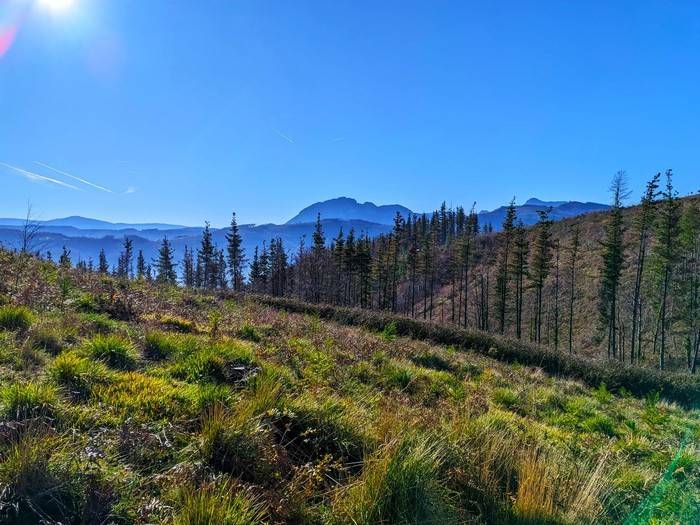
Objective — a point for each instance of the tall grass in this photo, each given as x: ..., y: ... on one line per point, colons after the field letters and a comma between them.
x: 402, y: 483
x: 15, y: 318
x: 113, y: 350
x: 19, y: 401
x: 217, y: 505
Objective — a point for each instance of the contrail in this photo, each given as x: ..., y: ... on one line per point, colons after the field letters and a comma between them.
x: 36, y: 177
x: 73, y: 177
x: 285, y: 137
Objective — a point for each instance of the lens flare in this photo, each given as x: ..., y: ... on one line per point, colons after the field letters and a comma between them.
x: 57, y: 5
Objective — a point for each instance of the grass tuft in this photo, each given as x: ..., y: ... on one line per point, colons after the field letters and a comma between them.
x: 216, y: 505
x: 15, y: 318
x: 114, y: 351
x: 20, y: 401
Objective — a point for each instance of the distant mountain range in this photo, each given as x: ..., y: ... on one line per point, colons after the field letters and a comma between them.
x: 84, y: 237
x: 349, y: 209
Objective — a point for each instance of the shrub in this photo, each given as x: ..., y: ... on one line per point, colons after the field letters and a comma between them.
x: 220, y: 505
x: 114, y: 351
x: 389, y: 332
x: 15, y: 318
x: 250, y: 333
x: 20, y: 401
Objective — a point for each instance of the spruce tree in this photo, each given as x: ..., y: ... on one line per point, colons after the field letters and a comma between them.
x: 689, y: 281
x: 643, y: 222
x: 573, y: 256
x: 102, y: 264
x: 666, y: 253
x: 612, y: 260
x: 521, y: 248
x: 540, y: 266
x: 503, y: 269
x: 206, y: 260
x: 188, y: 269
x: 140, y: 266
x: 165, y: 268
x: 236, y: 255
x: 124, y: 265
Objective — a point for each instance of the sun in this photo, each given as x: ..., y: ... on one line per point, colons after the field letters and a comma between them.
x: 57, y: 5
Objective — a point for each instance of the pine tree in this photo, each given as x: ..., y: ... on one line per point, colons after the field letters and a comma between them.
x: 689, y: 281
x: 255, y: 272
x: 643, y: 223
x: 519, y: 269
x: 236, y: 255
x: 318, y: 253
x: 165, y: 268
x: 573, y: 256
x: 140, y: 266
x: 540, y: 266
x: 102, y: 264
x: 613, y: 260
x: 124, y: 266
x: 206, y: 260
x: 666, y: 253
x: 503, y: 269
x: 221, y: 280
x: 188, y: 270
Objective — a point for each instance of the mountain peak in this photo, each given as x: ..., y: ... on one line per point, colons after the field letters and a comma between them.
x: 533, y: 201
x: 347, y: 208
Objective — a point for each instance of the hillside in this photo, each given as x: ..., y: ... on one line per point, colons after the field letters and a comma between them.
x: 126, y: 402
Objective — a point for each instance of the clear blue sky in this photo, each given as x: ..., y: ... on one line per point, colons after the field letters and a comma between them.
x: 187, y: 110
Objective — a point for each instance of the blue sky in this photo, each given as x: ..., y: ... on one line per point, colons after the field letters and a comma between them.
x: 189, y: 110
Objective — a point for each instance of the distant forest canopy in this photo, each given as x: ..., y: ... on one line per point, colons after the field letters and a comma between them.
x: 623, y: 284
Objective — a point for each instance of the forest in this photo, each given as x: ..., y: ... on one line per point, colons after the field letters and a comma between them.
x: 622, y: 284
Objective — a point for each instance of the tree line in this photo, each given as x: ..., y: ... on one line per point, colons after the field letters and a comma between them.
x: 524, y: 281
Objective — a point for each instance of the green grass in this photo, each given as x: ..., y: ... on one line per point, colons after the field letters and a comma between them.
x: 176, y: 408
x: 19, y: 401
x: 216, y: 505
x: 114, y: 351
x: 15, y: 318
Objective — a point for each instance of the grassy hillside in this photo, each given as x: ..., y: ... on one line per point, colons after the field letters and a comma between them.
x: 129, y: 403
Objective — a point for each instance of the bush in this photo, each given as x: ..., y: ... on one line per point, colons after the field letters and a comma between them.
x: 220, y: 505
x: 15, y: 318
x: 389, y: 332
x: 21, y: 401
x: 250, y: 333
x: 114, y: 351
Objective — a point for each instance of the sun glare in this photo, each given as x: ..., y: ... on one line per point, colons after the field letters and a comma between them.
x: 57, y: 5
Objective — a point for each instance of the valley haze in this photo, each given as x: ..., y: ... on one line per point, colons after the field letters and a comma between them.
x: 85, y: 237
